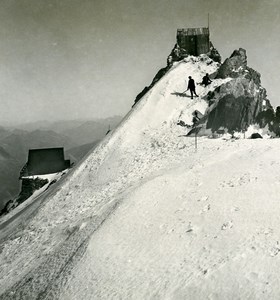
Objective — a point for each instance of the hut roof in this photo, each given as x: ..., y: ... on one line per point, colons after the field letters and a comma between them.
x: 45, y: 161
x: 193, y: 31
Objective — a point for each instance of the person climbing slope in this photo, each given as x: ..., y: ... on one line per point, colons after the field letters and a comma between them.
x: 206, y: 80
x: 191, y: 87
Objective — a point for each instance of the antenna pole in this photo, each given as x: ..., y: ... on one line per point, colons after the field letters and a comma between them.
x: 209, y: 30
x: 195, y: 139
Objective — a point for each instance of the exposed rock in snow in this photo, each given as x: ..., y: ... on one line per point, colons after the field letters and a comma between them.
x: 29, y: 186
x: 214, y: 54
x: 236, y: 104
x: 256, y: 135
x: 233, y: 66
x: 32, y: 187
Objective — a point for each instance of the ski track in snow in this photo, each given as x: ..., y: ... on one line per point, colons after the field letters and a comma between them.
x: 147, y: 217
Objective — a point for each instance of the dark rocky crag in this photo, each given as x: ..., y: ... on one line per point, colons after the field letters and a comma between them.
x: 235, y: 105
x: 28, y: 187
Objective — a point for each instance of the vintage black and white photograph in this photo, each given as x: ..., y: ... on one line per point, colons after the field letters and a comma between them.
x: 139, y: 149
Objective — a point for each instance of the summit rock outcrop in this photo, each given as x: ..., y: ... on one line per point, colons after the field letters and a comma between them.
x: 237, y: 103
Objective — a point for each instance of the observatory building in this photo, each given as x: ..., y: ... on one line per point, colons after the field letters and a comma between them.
x: 194, y: 41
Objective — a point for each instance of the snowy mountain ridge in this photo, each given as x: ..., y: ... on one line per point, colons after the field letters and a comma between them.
x: 171, y: 217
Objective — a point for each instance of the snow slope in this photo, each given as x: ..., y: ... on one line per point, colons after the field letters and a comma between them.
x: 204, y: 228
x: 145, y: 216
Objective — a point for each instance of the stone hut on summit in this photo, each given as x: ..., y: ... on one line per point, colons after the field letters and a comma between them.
x: 194, y: 41
x: 45, y: 161
x: 189, y: 41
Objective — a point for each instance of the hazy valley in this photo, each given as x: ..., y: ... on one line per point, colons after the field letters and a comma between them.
x: 76, y: 136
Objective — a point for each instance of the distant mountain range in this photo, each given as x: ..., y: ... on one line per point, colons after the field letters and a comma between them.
x: 89, y: 131
x: 77, y: 138
x: 77, y: 153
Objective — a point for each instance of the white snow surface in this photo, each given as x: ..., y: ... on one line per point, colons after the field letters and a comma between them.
x: 188, y: 224
x: 50, y: 177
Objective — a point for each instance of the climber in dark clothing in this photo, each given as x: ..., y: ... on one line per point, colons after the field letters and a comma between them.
x: 195, y: 118
x: 206, y: 80
x: 191, y: 87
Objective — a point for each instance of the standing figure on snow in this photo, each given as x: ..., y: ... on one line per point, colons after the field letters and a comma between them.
x: 191, y: 87
x: 206, y: 80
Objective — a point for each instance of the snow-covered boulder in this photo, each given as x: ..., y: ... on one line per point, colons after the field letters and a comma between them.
x: 256, y: 136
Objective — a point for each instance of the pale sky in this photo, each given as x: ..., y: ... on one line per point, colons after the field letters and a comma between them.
x: 69, y: 59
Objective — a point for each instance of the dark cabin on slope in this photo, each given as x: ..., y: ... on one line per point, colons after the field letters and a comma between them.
x: 194, y: 41
x: 45, y: 161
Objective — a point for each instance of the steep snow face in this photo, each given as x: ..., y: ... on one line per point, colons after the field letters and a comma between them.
x: 164, y: 104
x: 147, y: 143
